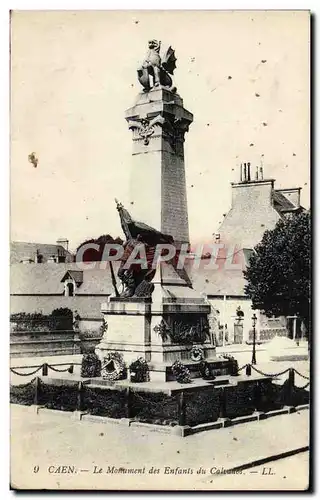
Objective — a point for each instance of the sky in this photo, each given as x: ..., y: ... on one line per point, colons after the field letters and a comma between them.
x: 243, y: 75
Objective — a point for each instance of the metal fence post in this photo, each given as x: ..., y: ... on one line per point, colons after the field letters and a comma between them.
x: 181, y: 409
x: 222, y: 403
x: 128, y: 402
x: 36, y: 391
x: 256, y: 396
x: 45, y: 369
x: 290, y: 387
x: 248, y: 370
x: 80, y: 397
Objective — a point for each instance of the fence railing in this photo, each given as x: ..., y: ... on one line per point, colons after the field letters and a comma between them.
x: 217, y: 403
x: 45, y: 367
x: 292, y: 371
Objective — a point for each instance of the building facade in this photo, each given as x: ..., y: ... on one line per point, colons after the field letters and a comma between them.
x: 40, y: 253
x: 256, y: 207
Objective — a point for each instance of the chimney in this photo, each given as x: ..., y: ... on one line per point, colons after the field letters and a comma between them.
x: 245, y: 172
x: 257, y: 173
x: 63, y: 242
x: 241, y: 172
x: 261, y: 173
x: 249, y: 175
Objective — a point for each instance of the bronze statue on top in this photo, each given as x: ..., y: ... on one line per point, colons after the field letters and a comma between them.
x: 136, y: 278
x: 156, y: 69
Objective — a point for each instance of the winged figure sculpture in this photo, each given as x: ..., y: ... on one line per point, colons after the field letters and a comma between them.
x: 157, y: 68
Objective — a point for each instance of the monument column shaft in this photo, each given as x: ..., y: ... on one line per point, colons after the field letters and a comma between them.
x: 161, y: 320
x: 157, y: 181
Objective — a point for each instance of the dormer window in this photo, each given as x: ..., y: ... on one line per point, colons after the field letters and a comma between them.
x: 72, y: 280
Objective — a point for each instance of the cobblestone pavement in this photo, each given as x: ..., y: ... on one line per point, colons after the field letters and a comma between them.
x: 41, y: 445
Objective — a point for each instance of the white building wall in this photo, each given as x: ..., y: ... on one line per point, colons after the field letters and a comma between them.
x: 227, y: 308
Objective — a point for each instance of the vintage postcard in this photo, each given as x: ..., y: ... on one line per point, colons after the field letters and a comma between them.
x: 160, y: 326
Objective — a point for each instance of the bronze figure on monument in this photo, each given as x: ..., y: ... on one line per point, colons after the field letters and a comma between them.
x: 157, y: 68
x: 136, y: 279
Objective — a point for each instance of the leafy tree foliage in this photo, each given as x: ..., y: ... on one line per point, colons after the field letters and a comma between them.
x: 279, y: 272
x: 59, y: 319
x: 92, y: 255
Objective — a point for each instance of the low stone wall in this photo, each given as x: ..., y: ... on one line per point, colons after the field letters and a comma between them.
x: 44, y: 343
x: 266, y: 334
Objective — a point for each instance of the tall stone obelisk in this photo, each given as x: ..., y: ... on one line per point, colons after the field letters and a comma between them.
x: 159, y: 123
x: 164, y: 324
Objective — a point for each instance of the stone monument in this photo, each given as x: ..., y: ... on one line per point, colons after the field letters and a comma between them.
x: 158, y: 315
x: 159, y: 122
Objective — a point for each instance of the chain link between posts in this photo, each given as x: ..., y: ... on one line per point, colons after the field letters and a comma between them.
x: 60, y: 371
x: 304, y: 386
x: 242, y: 368
x: 272, y: 375
x: 69, y: 369
x: 300, y: 374
x: 26, y: 374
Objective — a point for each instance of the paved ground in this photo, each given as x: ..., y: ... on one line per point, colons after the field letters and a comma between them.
x: 42, y: 444
x: 289, y: 473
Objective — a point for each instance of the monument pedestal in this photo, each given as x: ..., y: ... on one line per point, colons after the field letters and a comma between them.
x: 161, y: 329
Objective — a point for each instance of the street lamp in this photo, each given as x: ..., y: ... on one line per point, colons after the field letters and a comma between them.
x: 254, y: 321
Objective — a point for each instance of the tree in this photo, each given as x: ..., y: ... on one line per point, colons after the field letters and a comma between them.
x: 92, y: 255
x: 279, y: 271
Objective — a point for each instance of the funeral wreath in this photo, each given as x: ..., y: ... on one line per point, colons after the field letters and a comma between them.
x: 139, y: 371
x: 113, y: 366
x: 181, y: 373
x: 90, y: 366
x: 196, y: 353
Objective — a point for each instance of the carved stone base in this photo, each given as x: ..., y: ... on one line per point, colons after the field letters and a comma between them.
x: 128, y: 329
x: 138, y: 327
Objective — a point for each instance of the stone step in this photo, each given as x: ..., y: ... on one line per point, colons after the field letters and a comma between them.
x: 43, y: 352
x: 44, y: 347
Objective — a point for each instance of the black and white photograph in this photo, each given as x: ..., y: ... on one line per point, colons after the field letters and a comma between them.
x: 160, y: 250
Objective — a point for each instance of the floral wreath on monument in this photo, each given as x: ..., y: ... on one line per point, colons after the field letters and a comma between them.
x: 196, y: 353
x: 113, y: 366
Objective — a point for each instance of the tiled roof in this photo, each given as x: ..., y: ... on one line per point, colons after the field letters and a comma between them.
x: 21, y: 249
x: 45, y: 279
x: 219, y: 282
x: 77, y: 276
